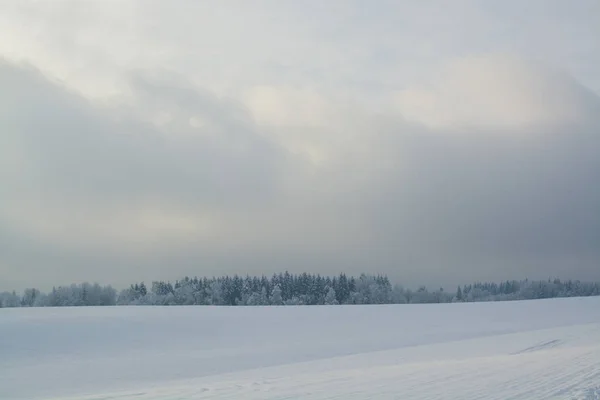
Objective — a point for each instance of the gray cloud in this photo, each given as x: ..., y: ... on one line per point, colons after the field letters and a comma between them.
x: 494, y: 206
x: 313, y: 158
x: 67, y: 166
x: 71, y: 145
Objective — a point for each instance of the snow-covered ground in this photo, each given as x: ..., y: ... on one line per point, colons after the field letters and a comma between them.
x: 547, y: 349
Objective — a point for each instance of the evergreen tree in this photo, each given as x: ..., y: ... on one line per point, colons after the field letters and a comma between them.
x: 276, y: 298
x: 459, y: 294
x: 330, y: 297
x: 143, y: 291
x: 263, y: 299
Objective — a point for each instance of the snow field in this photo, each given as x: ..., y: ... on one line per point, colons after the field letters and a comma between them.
x: 547, y: 349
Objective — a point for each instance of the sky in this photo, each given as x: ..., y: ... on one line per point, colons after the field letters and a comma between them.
x: 436, y: 142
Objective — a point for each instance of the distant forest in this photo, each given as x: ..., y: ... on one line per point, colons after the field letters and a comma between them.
x: 291, y: 289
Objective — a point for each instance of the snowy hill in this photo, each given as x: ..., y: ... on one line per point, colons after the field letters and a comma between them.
x: 544, y: 349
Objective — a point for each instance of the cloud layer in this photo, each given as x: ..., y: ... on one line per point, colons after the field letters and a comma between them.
x: 125, y: 160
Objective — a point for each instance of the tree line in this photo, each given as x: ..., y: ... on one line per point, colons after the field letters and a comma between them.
x: 291, y: 289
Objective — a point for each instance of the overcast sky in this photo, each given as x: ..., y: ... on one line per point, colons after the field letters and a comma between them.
x: 437, y: 142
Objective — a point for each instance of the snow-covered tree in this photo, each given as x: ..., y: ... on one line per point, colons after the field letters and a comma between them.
x: 398, y: 295
x: 41, y: 300
x: 185, y: 293
x: 29, y: 296
x: 263, y: 299
x: 10, y: 299
x: 276, y: 298
x: 459, y: 294
x: 330, y: 298
x: 290, y: 289
x: 294, y: 301
x: 216, y: 293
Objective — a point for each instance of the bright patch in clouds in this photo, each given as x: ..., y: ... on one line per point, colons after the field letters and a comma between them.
x: 494, y: 92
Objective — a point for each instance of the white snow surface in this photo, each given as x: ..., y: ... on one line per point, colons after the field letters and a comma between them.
x: 542, y: 349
